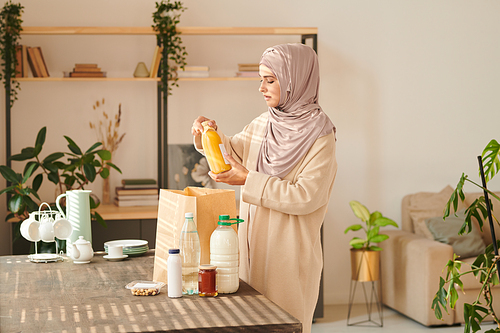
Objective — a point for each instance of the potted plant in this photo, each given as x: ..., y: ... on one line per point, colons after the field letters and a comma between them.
x: 10, y: 32
x: 165, y: 21
x: 365, y: 255
x: 78, y: 170
x: 486, y: 266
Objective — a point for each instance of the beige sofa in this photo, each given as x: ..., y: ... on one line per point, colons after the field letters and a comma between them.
x: 412, y: 261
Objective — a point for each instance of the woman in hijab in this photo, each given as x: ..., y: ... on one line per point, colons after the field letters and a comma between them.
x: 285, y: 162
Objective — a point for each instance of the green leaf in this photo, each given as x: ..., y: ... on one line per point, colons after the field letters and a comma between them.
x: 360, y: 210
x: 99, y: 219
x: 9, y: 174
x: 94, y: 146
x: 52, y: 157
x: 104, y: 155
x: 90, y: 172
x: 28, y: 173
x: 37, y: 150
x: 7, y: 189
x: 357, y: 243
x: 354, y: 227
x: 372, y: 233
x: 457, y: 193
x: 37, y: 182
x: 491, y: 159
x: 379, y: 238
x: 114, y: 166
x: 453, y: 296
x: 16, y: 203
x: 26, y: 154
x: 104, y: 173
x: 384, y: 221
x: 472, y: 317
x: 53, y: 177
x: 73, y: 146
x: 40, y: 138
x: 374, y: 248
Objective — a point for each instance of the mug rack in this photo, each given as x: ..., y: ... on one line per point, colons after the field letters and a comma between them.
x: 46, y: 225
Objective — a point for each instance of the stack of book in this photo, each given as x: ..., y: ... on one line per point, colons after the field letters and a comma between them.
x: 193, y: 71
x: 86, y: 70
x: 137, y: 192
x: 155, y: 63
x: 248, y: 70
x: 33, y: 56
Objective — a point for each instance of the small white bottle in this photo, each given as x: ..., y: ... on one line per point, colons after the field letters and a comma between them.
x: 174, y: 271
x: 224, y: 253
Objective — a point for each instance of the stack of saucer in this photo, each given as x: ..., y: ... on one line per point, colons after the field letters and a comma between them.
x: 131, y: 247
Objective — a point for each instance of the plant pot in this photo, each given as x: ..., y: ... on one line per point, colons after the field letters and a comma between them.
x: 365, y: 265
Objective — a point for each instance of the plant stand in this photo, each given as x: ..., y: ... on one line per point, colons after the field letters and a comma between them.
x: 368, y: 275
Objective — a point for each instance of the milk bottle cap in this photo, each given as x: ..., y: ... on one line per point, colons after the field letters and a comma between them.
x: 224, y: 220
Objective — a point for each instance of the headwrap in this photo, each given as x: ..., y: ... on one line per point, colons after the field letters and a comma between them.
x: 298, y: 120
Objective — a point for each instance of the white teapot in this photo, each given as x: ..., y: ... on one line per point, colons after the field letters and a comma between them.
x: 82, y: 251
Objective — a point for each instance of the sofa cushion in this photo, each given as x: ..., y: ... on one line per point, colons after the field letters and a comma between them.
x: 446, y: 231
x: 425, y: 205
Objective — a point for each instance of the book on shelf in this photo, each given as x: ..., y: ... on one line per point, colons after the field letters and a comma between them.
x: 138, y: 197
x: 131, y: 203
x: 87, y: 74
x: 136, y: 191
x: 155, y: 63
x: 248, y: 67
x: 182, y: 74
x: 35, y: 69
x: 139, y: 183
x: 22, y: 61
x: 41, y: 62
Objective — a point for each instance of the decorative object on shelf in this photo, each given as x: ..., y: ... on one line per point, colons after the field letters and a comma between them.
x: 141, y: 70
x: 365, y: 258
x: 80, y: 169
x: 10, y: 31
x: 107, y: 131
x: 165, y: 21
x: 487, y: 265
x: 45, y: 225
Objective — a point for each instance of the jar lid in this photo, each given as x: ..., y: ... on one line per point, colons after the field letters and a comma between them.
x: 207, y: 267
x: 174, y: 251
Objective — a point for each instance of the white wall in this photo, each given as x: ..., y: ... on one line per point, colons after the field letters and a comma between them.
x: 411, y: 86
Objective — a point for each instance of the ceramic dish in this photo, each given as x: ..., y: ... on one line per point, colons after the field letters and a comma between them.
x: 115, y: 258
x: 127, y: 243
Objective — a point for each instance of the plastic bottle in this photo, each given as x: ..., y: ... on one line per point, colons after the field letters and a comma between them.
x: 174, y: 270
x: 189, y: 245
x: 224, y: 253
x: 214, y: 149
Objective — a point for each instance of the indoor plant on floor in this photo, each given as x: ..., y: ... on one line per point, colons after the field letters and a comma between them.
x: 80, y: 169
x: 365, y: 256
x: 486, y: 266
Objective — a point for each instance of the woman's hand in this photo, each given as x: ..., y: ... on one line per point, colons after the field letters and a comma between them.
x: 197, y: 129
x: 236, y: 176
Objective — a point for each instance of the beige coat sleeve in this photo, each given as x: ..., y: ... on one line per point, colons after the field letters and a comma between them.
x: 308, y: 187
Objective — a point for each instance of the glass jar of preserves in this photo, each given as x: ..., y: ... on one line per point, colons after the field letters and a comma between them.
x: 207, y: 280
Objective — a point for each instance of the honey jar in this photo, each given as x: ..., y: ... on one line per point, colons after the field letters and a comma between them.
x: 207, y: 280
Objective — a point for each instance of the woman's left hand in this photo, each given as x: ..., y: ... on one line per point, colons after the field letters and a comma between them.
x: 236, y: 176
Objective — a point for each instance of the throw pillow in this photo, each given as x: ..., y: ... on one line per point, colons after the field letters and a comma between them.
x: 446, y: 231
x: 424, y: 205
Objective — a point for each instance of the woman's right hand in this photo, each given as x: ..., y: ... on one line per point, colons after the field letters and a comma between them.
x: 197, y: 129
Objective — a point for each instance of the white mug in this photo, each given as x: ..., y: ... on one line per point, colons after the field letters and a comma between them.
x: 115, y: 251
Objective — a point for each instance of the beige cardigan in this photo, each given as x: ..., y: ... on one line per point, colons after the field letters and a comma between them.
x: 280, y: 249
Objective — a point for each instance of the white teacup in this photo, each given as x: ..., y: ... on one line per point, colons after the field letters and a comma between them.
x: 115, y: 251
x: 25, y: 227
x: 62, y: 228
x: 46, y: 229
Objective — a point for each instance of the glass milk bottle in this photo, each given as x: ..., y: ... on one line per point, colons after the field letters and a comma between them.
x: 174, y: 274
x: 214, y: 149
x: 224, y: 254
x: 189, y: 245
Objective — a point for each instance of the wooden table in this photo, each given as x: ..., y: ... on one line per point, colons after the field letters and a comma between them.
x: 68, y: 297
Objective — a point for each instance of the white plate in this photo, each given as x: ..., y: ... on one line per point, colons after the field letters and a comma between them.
x: 127, y: 243
x: 115, y: 258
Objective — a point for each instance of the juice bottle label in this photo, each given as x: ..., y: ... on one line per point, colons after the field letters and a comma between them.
x: 223, y: 150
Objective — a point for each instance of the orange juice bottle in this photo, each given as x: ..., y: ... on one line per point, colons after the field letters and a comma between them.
x: 213, y: 148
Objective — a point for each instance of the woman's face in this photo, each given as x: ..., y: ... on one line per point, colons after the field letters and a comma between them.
x: 269, y: 86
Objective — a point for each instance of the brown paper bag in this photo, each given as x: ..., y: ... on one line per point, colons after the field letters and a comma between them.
x: 206, y: 205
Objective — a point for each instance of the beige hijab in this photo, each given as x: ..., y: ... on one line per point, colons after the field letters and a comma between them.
x: 298, y: 120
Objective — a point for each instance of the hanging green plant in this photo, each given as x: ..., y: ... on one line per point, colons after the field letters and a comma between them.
x: 10, y: 32
x: 165, y: 21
